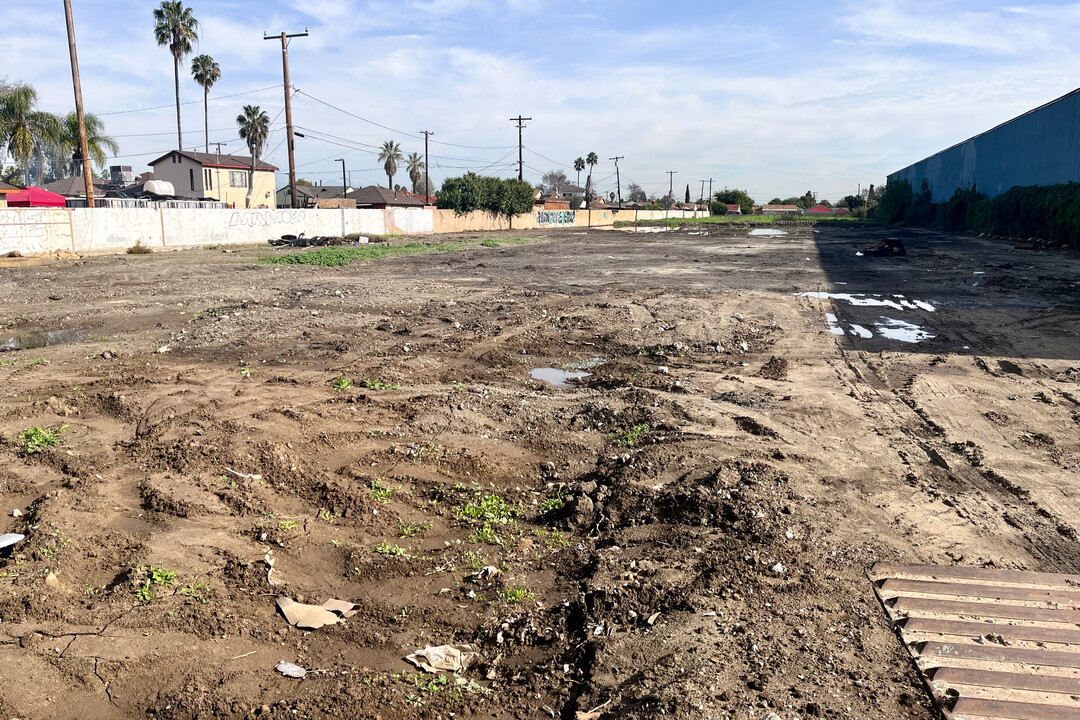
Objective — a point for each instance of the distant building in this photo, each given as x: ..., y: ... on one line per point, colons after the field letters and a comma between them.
x: 311, y: 195
x: 377, y: 197
x: 781, y: 210
x: 212, y: 176
x: 5, y: 190
x: 821, y: 210
x: 734, y: 209
x: 75, y: 187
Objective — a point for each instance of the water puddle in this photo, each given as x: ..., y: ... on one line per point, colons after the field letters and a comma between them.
x: 31, y: 339
x: 896, y: 302
x: 902, y: 331
x: 567, y: 376
x: 652, y: 229
x: 767, y: 233
x: 833, y: 324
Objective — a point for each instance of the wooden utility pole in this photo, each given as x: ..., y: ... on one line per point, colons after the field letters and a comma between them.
x: 288, y: 107
x: 84, y: 149
x: 671, y: 183
x: 709, y: 203
x: 521, y: 158
x: 618, y: 182
x: 427, y: 164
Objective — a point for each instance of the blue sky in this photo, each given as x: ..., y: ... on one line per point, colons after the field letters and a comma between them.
x: 773, y: 97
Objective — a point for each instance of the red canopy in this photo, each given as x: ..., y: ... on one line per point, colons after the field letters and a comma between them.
x: 35, y: 197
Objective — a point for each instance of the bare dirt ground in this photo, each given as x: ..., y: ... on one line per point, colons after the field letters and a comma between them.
x: 686, y: 533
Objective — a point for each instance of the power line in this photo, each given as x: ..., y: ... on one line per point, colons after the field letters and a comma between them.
x: 193, y: 102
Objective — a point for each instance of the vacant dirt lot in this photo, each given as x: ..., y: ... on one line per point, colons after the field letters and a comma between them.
x: 684, y: 533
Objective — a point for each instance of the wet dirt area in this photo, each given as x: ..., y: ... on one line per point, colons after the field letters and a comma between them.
x: 674, y: 517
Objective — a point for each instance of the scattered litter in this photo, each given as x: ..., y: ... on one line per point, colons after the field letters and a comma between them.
x: 241, y: 475
x: 445, y: 658
x: 859, y: 254
x: 767, y: 233
x: 313, y: 617
x: 163, y: 349
x: 486, y: 572
x: 890, y: 247
x: 10, y: 539
x: 779, y: 569
x: 652, y: 618
x: 270, y: 570
x: 790, y: 534
x: 289, y: 670
x: 599, y: 630
x: 16, y: 513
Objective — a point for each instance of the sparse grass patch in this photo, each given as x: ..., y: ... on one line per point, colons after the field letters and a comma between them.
x: 388, y: 550
x: 631, y: 437
x: 380, y: 491
x: 488, y: 509
x: 516, y: 595
x: 379, y: 385
x: 341, y: 256
x: 485, y: 534
x: 552, y: 504
x: 341, y: 383
x: 195, y: 590
x: 139, y: 249
x: 474, y: 559
x: 287, y: 525
x: 36, y: 439
x: 490, y: 244
x: 411, y: 529
x: 327, y: 516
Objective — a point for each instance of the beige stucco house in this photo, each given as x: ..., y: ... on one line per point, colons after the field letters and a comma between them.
x: 211, y: 176
x: 5, y: 189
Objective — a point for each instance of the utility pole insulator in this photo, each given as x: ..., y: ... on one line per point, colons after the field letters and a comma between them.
x: 288, y: 106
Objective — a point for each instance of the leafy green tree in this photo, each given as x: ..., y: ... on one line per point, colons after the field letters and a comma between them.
x: 97, y: 142
x: 687, y: 194
x: 579, y: 165
x: 854, y: 202
x: 302, y: 182
x: 26, y: 133
x: 776, y: 201
x: 636, y: 194
x: 414, y: 164
x: 254, y: 125
x: 736, y: 197
x: 592, y: 161
x: 390, y: 156
x: 176, y: 27
x: 472, y: 192
x: 206, y: 72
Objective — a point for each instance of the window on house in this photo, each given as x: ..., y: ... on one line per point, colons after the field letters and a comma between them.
x: 209, y: 180
x: 191, y: 176
x: 238, y: 179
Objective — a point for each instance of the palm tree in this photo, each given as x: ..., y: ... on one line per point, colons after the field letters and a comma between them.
x: 254, y: 126
x: 177, y: 28
x: 26, y: 133
x: 579, y: 165
x: 415, y: 165
x: 390, y: 156
x: 591, y: 160
x: 97, y: 142
x: 206, y: 72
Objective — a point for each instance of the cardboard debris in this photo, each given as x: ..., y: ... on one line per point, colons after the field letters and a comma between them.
x: 289, y: 670
x: 313, y: 617
x: 445, y: 658
x: 10, y: 539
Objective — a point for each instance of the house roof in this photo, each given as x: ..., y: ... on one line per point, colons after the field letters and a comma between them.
x: 375, y: 195
x: 72, y: 187
x: 234, y: 162
x: 790, y: 208
x: 820, y: 209
x: 5, y: 188
x: 734, y: 207
x: 428, y: 199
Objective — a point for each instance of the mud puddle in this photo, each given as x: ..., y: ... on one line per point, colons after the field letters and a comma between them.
x: 896, y: 302
x: 33, y: 340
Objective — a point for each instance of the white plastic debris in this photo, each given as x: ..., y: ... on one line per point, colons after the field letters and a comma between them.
x: 290, y: 670
x: 445, y: 658
x: 10, y: 539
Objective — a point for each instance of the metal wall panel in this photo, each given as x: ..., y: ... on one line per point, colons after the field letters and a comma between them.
x: 1041, y: 147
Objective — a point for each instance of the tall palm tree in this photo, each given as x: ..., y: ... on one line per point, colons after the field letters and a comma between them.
x: 206, y: 72
x: 415, y: 165
x: 26, y: 133
x: 97, y: 142
x: 254, y: 126
x: 591, y: 160
x: 177, y: 28
x: 579, y: 165
x: 390, y: 156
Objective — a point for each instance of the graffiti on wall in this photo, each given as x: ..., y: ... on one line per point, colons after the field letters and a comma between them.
x: 265, y: 218
x: 556, y: 217
x: 24, y: 230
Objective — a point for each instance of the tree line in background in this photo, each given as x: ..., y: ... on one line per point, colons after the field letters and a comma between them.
x: 41, y: 146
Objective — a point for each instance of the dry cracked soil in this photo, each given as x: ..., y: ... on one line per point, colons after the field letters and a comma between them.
x: 684, y: 532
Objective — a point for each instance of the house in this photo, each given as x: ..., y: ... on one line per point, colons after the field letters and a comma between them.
x: 5, y: 190
x: 378, y: 198
x: 734, y: 208
x: 75, y: 187
x: 213, y: 176
x: 820, y: 210
x: 568, y: 191
x: 426, y: 199
x: 311, y: 195
x: 780, y: 210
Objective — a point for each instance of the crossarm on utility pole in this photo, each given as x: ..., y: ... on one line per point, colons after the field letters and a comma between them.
x: 288, y: 106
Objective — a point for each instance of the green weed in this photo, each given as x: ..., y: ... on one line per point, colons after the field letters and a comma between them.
x: 288, y: 525
x: 411, y: 530
x: 341, y: 383
x: 631, y: 437
x: 380, y: 491
x: 385, y: 548
x: 36, y: 439
x: 490, y: 244
x: 485, y: 534
x: 195, y: 591
x: 341, y: 256
x: 379, y: 385
x: 552, y: 504
x: 474, y: 559
x: 517, y: 595
x: 488, y: 509
x: 327, y: 516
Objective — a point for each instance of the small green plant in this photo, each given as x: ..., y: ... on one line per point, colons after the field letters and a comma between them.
x: 385, y: 548
x: 409, y: 529
x: 139, y: 249
x: 143, y: 592
x: 195, y: 591
x: 379, y: 385
x: 161, y: 576
x: 37, y: 438
x: 552, y: 504
x: 287, y: 525
x: 327, y: 516
x: 341, y: 383
x: 459, y: 387
x: 516, y: 595
x: 474, y: 559
x: 488, y: 509
x: 631, y: 437
x: 37, y: 362
x: 380, y: 491
x: 485, y: 534
x: 490, y: 244
x: 245, y: 372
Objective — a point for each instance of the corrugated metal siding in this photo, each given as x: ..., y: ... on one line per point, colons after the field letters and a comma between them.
x: 1041, y: 147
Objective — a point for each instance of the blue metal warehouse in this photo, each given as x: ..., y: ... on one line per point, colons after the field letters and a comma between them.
x: 1041, y: 147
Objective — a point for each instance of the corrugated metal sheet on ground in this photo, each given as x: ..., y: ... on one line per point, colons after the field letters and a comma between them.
x: 991, y: 644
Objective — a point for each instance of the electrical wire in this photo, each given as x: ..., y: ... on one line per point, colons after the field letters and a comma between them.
x: 192, y: 102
